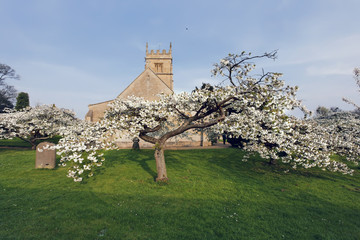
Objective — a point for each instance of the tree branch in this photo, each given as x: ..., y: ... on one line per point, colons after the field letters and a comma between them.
x: 147, y: 138
x: 147, y: 130
x: 181, y: 113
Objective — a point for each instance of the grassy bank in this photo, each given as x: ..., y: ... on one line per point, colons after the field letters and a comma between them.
x: 212, y: 194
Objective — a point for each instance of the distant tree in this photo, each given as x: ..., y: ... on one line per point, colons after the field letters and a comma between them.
x: 6, y: 72
x: 357, y: 111
x: 22, y: 101
x: 7, y: 92
x: 335, y: 109
x: 322, y: 111
x: 340, y: 130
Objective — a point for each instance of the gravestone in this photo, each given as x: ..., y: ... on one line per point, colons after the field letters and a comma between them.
x: 136, y: 143
x: 45, y: 158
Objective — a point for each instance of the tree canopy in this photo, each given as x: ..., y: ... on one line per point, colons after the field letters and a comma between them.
x: 36, y: 123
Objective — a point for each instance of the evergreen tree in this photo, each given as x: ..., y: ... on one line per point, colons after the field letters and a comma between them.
x: 22, y: 101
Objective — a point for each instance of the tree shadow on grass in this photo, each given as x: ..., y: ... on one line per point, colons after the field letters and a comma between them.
x: 141, y: 157
x: 178, y: 159
x: 231, y: 160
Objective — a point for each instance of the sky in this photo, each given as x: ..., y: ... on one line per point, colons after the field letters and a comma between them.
x: 73, y: 53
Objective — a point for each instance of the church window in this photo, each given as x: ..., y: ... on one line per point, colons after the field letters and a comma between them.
x: 158, y: 67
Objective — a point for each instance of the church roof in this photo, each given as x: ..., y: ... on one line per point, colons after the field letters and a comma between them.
x: 155, y: 79
x: 147, y: 85
x: 108, y: 101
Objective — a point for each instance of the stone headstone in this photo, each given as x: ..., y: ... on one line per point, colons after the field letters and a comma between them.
x: 45, y: 158
x: 136, y: 143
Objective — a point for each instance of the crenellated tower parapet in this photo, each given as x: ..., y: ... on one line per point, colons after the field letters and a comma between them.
x: 160, y: 62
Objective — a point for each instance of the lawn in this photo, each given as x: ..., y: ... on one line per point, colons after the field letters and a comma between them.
x: 18, y: 143
x: 212, y: 194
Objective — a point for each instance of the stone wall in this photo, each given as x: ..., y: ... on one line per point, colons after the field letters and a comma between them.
x: 96, y: 111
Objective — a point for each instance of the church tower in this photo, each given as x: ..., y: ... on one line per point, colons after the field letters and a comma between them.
x: 161, y: 64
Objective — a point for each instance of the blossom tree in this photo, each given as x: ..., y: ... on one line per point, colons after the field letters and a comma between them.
x: 261, y: 125
x: 341, y: 131
x: 35, y: 123
x: 157, y: 121
x: 357, y: 79
x: 81, y: 142
x: 81, y: 148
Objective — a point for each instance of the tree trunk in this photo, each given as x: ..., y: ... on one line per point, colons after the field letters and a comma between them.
x: 160, y: 164
x: 31, y: 141
x: 33, y: 144
x: 272, y: 161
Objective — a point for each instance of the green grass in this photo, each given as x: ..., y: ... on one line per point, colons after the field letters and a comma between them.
x: 212, y: 194
x: 18, y: 143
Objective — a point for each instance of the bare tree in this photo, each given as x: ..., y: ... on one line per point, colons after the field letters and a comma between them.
x: 7, y: 92
x: 6, y: 72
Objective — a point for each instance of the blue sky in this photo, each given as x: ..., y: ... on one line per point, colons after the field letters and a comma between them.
x: 77, y: 52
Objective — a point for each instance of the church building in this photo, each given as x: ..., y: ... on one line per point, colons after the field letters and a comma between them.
x: 155, y: 79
